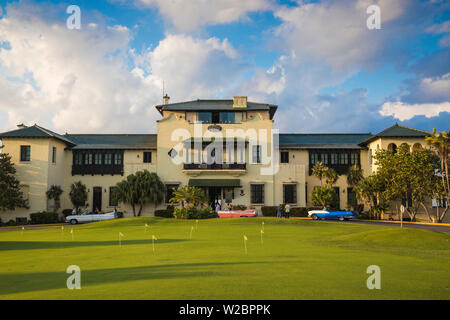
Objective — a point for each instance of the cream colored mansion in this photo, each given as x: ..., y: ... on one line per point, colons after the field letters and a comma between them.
x: 241, y: 174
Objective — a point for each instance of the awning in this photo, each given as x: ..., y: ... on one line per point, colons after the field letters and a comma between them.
x: 226, y: 183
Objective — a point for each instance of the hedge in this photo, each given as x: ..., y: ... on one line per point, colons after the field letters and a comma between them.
x: 165, y: 213
x: 44, y: 217
x: 239, y: 207
x: 207, y: 213
x: 269, y: 211
x: 67, y: 212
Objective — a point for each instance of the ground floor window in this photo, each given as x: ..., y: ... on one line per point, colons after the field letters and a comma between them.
x: 351, y: 197
x: 112, y: 200
x: 169, y: 191
x: 289, y: 193
x: 257, y: 193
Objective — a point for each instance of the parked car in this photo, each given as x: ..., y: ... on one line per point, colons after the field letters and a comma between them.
x: 84, y: 218
x: 330, y: 214
x: 237, y: 213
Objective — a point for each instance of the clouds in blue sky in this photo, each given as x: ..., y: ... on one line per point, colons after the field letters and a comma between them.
x: 316, y: 59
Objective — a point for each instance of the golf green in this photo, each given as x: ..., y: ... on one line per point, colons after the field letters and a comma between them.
x: 292, y: 259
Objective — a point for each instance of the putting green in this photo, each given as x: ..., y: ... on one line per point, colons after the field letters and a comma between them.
x: 297, y: 259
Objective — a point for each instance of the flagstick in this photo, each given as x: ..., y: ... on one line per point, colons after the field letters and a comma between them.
x: 120, y: 241
x: 190, y: 236
x: 262, y: 232
x: 146, y: 226
x: 153, y: 243
x: 196, y: 224
x: 245, y: 244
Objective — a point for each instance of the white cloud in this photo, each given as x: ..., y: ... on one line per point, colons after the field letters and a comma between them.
x: 80, y: 80
x: 403, y: 111
x: 335, y: 32
x: 189, y: 15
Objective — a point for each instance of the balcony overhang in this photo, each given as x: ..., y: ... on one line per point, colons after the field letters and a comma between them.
x: 223, y: 183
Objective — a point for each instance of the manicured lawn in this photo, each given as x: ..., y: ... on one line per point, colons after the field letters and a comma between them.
x: 299, y: 259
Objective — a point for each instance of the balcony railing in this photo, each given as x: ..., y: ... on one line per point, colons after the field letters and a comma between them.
x: 341, y: 169
x: 97, y: 169
x: 215, y: 166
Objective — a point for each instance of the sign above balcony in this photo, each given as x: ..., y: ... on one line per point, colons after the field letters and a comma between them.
x: 215, y: 128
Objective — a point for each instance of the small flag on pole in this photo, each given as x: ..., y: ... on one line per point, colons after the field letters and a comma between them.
x: 146, y: 227
x: 120, y: 239
x: 262, y: 232
x: 245, y: 243
x: 71, y: 231
x: 153, y: 242
x: 62, y: 228
x: 196, y: 224
x: 190, y: 235
x: 263, y: 225
x: 23, y: 228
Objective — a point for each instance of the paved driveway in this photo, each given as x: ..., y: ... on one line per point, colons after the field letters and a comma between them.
x: 432, y: 227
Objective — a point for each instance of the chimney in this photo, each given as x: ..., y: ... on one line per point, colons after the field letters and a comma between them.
x: 240, y: 102
x: 21, y: 126
x: 166, y: 99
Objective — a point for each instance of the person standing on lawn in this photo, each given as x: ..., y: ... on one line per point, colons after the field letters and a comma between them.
x: 287, y: 210
x: 279, y: 210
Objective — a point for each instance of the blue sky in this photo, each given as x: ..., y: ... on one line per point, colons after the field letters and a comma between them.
x: 317, y: 60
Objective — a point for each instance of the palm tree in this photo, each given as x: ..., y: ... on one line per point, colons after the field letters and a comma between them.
x: 354, y: 175
x: 331, y: 176
x: 319, y: 170
x: 78, y: 194
x: 188, y: 197
x: 440, y: 142
x: 54, y: 192
x: 139, y: 189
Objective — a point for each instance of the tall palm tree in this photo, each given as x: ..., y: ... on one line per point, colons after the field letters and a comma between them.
x: 440, y: 142
x: 78, y: 194
x: 54, y: 192
x: 354, y: 175
x: 319, y: 170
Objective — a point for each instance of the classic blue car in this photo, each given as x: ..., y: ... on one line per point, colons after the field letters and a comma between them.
x: 329, y: 214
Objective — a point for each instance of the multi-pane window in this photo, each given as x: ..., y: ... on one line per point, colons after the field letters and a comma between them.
x: 108, y: 158
x: 226, y: 117
x: 314, y: 158
x: 88, y: 159
x: 169, y: 191
x: 257, y: 193
x: 343, y: 158
x: 98, y: 158
x: 351, y: 197
x: 78, y: 159
x: 25, y: 153
x: 54, y: 155
x: 334, y: 158
x: 289, y: 193
x: 324, y: 158
x: 147, y: 157
x: 112, y: 200
x: 118, y: 159
x: 256, y: 154
x: 354, y: 158
x: 205, y: 117
x: 284, y: 157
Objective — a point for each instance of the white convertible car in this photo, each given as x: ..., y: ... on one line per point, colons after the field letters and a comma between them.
x: 83, y: 218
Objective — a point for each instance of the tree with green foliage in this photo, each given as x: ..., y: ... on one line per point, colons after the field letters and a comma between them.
x: 78, y: 194
x: 188, y: 197
x: 54, y: 192
x: 11, y: 197
x: 138, y: 189
x: 371, y: 190
x: 440, y: 143
x: 319, y: 170
x: 323, y: 196
x: 354, y: 175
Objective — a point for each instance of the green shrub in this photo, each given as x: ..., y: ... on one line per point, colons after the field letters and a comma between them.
x: 67, y: 212
x: 269, y: 211
x: 239, y: 207
x: 119, y: 214
x: 44, y: 217
x: 10, y: 223
x: 298, y: 212
x: 165, y: 213
x: 194, y: 213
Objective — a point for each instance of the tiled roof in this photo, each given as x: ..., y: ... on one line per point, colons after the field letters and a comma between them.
x: 35, y: 132
x: 322, y: 141
x: 113, y: 141
x: 398, y: 131
x: 216, y: 105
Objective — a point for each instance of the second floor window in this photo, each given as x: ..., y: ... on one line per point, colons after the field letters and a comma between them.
x: 284, y: 157
x: 54, y: 155
x: 78, y: 159
x: 108, y: 158
x: 117, y: 159
x: 354, y: 158
x: 88, y: 159
x: 147, y: 157
x: 98, y: 158
x: 256, y: 154
x: 25, y: 153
